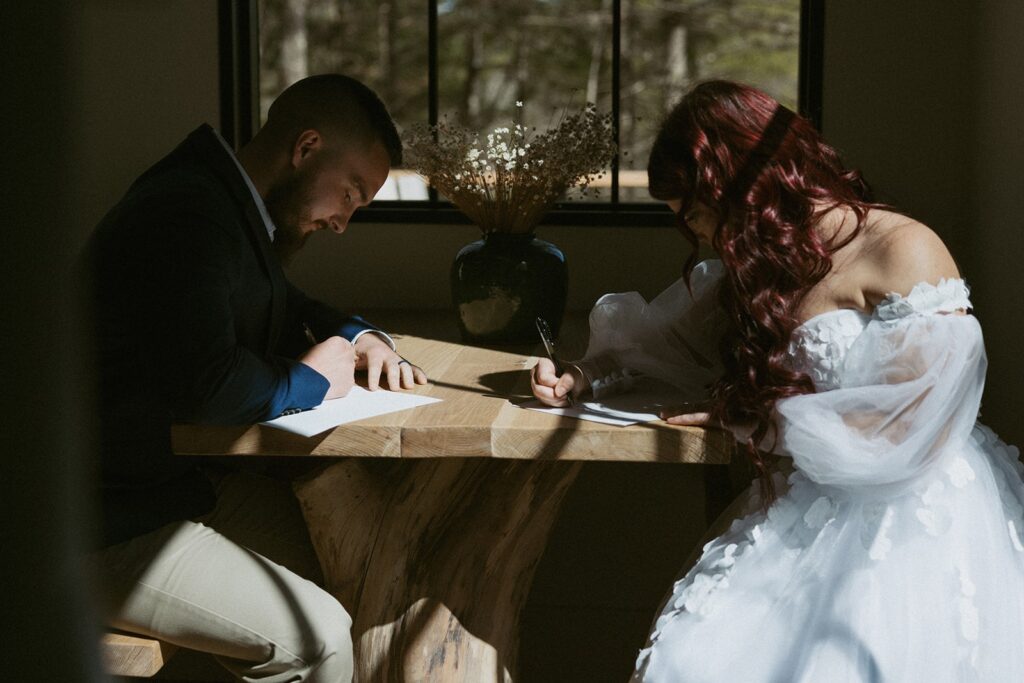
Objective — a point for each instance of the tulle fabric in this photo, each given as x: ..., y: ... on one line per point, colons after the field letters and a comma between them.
x: 909, y: 388
x: 672, y: 339
x: 894, y: 552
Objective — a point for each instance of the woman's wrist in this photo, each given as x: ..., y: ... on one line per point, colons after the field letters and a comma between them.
x: 581, y: 377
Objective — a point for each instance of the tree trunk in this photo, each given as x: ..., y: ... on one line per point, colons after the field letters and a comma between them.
x: 469, y: 107
x: 678, y: 67
x: 385, y: 43
x: 597, y: 49
x: 294, y: 43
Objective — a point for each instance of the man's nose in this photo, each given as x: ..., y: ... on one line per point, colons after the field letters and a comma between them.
x: 339, y: 223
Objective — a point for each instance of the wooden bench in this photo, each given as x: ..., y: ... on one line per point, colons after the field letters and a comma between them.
x: 136, y: 656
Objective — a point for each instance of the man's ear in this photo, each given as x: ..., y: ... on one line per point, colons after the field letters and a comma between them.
x: 306, y: 143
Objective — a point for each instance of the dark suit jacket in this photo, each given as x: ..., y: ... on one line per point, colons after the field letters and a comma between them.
x: 196, y: 323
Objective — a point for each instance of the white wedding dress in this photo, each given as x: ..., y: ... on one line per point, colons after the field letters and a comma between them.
x: 895, y: 550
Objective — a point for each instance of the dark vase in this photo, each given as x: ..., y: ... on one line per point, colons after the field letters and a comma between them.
x: 503, y: 282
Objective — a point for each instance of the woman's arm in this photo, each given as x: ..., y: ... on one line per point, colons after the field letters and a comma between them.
x: 672, y: 339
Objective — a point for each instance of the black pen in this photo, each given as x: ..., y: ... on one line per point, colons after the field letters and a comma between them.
x: 549, y: 347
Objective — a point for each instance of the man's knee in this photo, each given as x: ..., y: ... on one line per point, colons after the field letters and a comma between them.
x: 327, y: 649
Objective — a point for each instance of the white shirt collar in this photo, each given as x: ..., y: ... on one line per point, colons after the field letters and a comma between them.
x: 260, y: 206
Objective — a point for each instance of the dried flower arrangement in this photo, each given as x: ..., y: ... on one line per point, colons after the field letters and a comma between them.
x: 509, y: 184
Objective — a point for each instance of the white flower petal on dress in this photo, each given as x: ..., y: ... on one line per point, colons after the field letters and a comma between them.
x: 897, y: 309
x: 967, y: 586
x: 821, y: 512
x: 696, y: 598
x: 783, y: 514
x: 690, y: 596
x: 936, y: 519
x: 642, y: 657
x: 959, y: 472
x: 661, y: 623
x: 934, y: 516
x: 946, y: 297
x: 969, y: 622
x: 728, y: 558
x: 819, y: 346
x: 933, y: 493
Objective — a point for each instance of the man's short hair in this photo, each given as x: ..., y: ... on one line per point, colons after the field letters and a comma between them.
x: 338, y: 103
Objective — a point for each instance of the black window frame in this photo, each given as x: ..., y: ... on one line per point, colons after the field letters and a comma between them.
x: 238, y: 34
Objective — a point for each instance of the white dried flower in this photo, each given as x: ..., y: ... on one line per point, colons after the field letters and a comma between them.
x: 509, y: 183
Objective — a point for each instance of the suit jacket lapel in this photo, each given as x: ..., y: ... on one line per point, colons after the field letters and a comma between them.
x: 215, y: 156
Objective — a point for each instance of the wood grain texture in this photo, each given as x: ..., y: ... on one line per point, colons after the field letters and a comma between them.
x: 138, y: 656
x: 433, y: 559
x: 478, y: 417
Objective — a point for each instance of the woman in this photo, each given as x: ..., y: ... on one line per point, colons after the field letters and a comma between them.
x: 837, y: 333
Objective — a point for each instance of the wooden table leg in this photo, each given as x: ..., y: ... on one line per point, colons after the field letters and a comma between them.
x: 433, y: 559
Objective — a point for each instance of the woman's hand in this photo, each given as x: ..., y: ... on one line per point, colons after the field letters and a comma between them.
x: 697, y: 414
x: 553, y: 389
x: 691, y: 414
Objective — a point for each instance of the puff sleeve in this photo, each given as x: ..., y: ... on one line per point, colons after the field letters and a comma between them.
x: 910, y: 389
x: 673, y: 338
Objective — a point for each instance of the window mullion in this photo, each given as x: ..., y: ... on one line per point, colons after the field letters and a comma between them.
x: 238, y: 66
x: 616, y: 83
x: 810, y: 73
x: 433, y: 94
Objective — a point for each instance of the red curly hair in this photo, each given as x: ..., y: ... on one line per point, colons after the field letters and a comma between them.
x: 769, y: 177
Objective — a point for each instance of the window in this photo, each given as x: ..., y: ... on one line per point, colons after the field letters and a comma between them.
x: 472, y: 60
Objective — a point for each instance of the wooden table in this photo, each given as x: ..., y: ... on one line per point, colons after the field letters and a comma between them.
x: 430, y: 528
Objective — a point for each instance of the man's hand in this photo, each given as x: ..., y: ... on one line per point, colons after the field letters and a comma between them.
x: 551, y: 389
x: 375, y: 356
x: 335, y: 359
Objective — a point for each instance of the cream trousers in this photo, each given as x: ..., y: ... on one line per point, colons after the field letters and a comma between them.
x: 235, y: 583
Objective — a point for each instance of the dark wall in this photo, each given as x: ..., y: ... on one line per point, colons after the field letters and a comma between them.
x: 928, y: 100
x: 49, y: 623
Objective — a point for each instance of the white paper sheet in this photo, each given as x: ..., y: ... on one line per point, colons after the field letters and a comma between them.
x: 621, y: 410
x: 359, y: 404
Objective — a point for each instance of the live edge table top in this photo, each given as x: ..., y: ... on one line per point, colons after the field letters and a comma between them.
x: 478, y: 416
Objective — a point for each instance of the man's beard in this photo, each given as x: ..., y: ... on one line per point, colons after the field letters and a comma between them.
x: 287, y: 203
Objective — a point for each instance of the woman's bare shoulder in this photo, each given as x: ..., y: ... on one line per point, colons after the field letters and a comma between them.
x: 900, y: 252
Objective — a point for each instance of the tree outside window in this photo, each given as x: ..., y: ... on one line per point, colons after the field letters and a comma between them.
x: 548, y: 54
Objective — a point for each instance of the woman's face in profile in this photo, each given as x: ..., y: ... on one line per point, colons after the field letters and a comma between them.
x: 700, y: 218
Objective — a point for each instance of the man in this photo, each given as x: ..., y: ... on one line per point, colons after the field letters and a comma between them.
x: 197, y: 323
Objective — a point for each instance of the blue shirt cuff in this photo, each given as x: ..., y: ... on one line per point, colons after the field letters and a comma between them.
x: 354, y: 327
x: 302, y: 388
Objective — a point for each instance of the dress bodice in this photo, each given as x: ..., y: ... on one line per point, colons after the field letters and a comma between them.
x: 820, y: 345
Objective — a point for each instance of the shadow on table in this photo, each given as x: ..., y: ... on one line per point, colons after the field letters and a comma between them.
x: 495, y: 385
